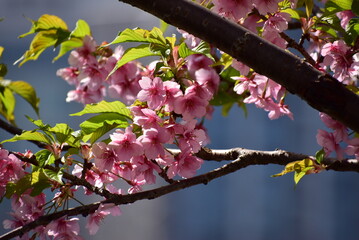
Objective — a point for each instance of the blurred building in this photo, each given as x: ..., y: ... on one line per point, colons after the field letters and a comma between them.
x: 248, y: 204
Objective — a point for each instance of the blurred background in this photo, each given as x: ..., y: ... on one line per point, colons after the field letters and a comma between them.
x: 248, y: 204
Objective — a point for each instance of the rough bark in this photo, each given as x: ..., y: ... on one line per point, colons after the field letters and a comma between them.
x: 319, y: 90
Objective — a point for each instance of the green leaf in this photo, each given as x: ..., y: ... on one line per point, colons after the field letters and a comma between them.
x: 98, y: 121
x: 68, y: 46
x: 3, y: 70
x: 300, y: 169
x: 62, y: 132
x: 94, y: 136
x: 134, y: 53
x: 105, y: 107
x: 334, y: 6
x: 293, y: 13
x: 343, y: 4
x: 39, y: 182
x: 29, y: 136
x: 81, y: 30
x: 309, y: 4
x: 140, y: 35
x: 7, y: 103
x: 27, y: 92
x: 46, y: 22
x: 163, y: 26
x: 184, y: 51
x: 352, y: 32
x: 53, y: 175
x: 319, y: 156
x: 44, y: 157
x: 40, y: 42
x: 39, y: 123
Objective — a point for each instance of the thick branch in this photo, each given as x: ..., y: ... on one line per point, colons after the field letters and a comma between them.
x: 321, y: 91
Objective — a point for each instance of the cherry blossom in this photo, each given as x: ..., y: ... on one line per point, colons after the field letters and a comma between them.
x: 232, y: 9
x: 329, y: 143
x: 152, y: 141
x: 342, y: 62
x: 125, y: 144
x: 152, y: 92
x: 64, y: 228
x: 94, y: 219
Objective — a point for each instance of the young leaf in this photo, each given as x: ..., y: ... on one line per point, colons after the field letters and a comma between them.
x: 62, y: 132
x: 40, y: 42
x: 81, y: 30
x: 7, y: 103
x: 105, y: 107
x: 68, y: 46
x: 98, y: 121
x: 95, y: 135
x: 27, y: 92
x: 134, y: 53
x: 46, y: 22
x: 140, y: 35
x: 53, y: 175
x: 29, y: 136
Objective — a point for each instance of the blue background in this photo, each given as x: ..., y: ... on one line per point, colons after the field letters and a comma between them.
x: 248, y: 204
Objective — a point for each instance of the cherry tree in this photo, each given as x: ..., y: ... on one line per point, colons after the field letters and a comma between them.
x: 229, y: 53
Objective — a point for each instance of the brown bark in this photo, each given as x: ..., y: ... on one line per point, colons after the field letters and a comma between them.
x: 319, y: 90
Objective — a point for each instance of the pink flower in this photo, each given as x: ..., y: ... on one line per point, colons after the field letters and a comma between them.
x: 244, y: 84
x: 144, y: 168
x: 94, y: 219
x: 265, y: 6
x: 26, y: 209
x: 353, y: 147
x: 11, y: 169
x: 69, y: 74
x: 191, y: 106
x: 329, y: 143
x: 190, y: 139
x: 277, y: 22
x: 342, y: 62
x: 152, y: 92
x: 340, y: 131
x: 345, y: 17
x: 196, y: 62
x: 242, y: 68
x: 252, y: 22
x: 232, y: 9
x: 64, y: 228
x: 84, y: 55
x: 190, y: 40
x: 86, y: 96
x: 125, y: 144
x: 209, y: 79
x: 277, y: 110
x: 104, y: 156
x: 173, y: 91
x: 123, y: 83
x: 152, y: 141
x: 185, y: 166
x: 147, y: 119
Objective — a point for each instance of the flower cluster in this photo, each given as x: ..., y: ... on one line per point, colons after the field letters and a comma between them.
x: 167, y: 114
x: 264, y: 93
x: 338, y: 140
x: 89, y: 69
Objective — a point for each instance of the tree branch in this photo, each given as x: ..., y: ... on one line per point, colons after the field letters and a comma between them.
x: 241, y: 158
x: 319, y: 90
